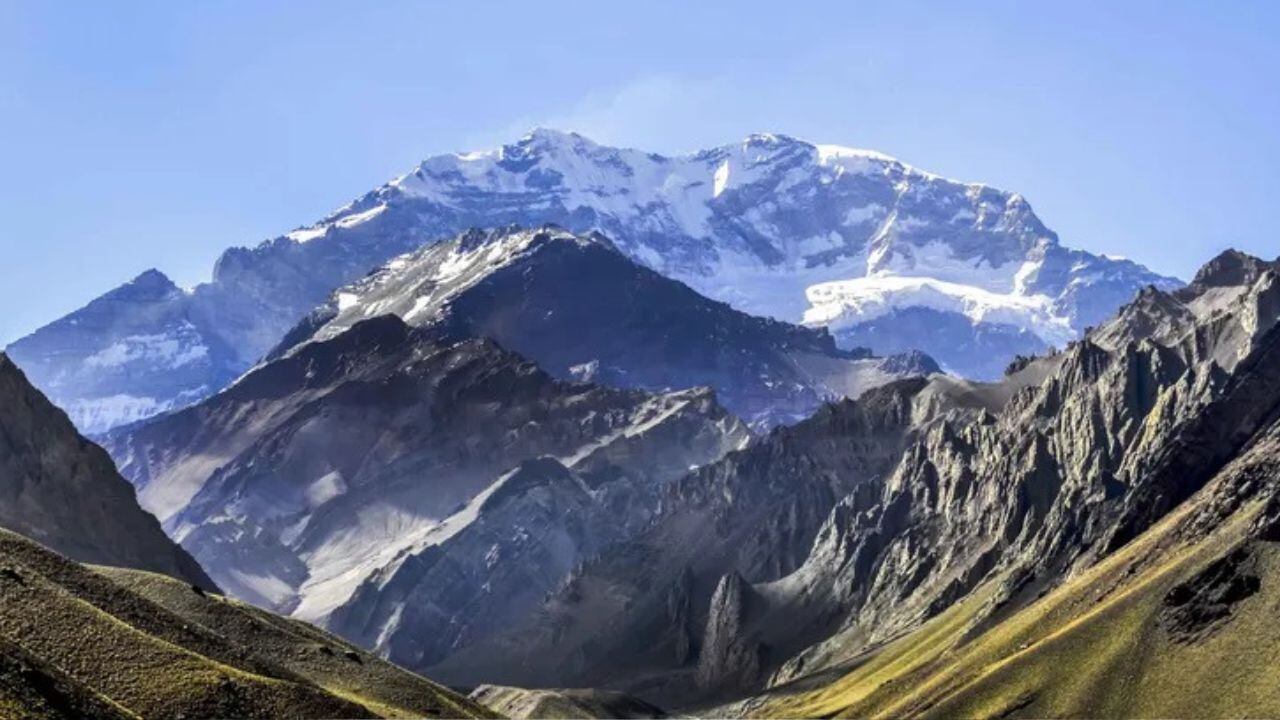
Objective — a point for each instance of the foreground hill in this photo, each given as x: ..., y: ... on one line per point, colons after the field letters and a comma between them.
x: 78, y: 642
x: 888, y: 256
x: 64, y: 491
x: 582, y: 310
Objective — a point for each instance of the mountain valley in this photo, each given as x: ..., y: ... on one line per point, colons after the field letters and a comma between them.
x: 576, y: 431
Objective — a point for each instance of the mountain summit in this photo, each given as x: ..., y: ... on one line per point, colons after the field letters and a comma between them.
x: 582, y: 310
x: 888, y: 256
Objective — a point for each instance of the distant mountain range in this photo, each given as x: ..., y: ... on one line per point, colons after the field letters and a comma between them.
x: 888, y: 257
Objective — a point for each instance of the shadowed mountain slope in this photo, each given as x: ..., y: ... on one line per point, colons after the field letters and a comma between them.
x: 64, y: 491
x: 409, y: 490
x: 581, y: 309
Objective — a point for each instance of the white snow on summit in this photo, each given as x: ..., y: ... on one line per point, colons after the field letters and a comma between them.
x: 773, y: 225
x: 757, y: 224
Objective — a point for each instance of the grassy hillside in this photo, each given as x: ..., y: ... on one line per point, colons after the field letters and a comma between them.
x: 522, y: 704
x: 1170, y: 626
x: 76, y: 641
x: 34, y: 690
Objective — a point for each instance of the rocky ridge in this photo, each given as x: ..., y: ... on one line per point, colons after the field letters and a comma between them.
x: 582, y: 310
x: 1014, y: 487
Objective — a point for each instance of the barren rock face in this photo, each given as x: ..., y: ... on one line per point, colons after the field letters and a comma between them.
x: 729, y: 656
x: 884, y: 512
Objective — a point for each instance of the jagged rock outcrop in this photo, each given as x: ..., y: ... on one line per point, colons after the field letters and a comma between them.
x: 730, y: 658
x: 1063, y: 475
x: 1012, y: 487
x: 63, y: 491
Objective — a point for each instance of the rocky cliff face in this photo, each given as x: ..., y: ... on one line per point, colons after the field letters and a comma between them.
x: 63, y: 491
x: 1065, y: 474
x: 391, y: 482
x: 582, y: 310
x: 639, y: 613
x: 1170, y: 572
x: 888, y: 256
x: 1013, y: 486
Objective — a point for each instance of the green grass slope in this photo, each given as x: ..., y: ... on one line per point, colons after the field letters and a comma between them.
x: 91, y: 643
x: 580, y: 704
x: 323, y: 659
x: 33, y: 690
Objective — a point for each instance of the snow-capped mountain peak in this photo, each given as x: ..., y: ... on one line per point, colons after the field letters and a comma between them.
x: 892, y: 257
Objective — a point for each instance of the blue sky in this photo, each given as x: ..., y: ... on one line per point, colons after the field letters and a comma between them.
x: 136, y: 135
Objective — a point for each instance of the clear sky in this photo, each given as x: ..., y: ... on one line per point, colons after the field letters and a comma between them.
x: 136, y: 135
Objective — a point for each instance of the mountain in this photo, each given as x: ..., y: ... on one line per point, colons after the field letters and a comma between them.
x: 582, y: 310
x: 887, y: 256
x: 1095, y: 500
x: 64, y: 491
x: 1179, y: 589
x: 81, y: 642
x: 137, y: 351
x: 408, y: 489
